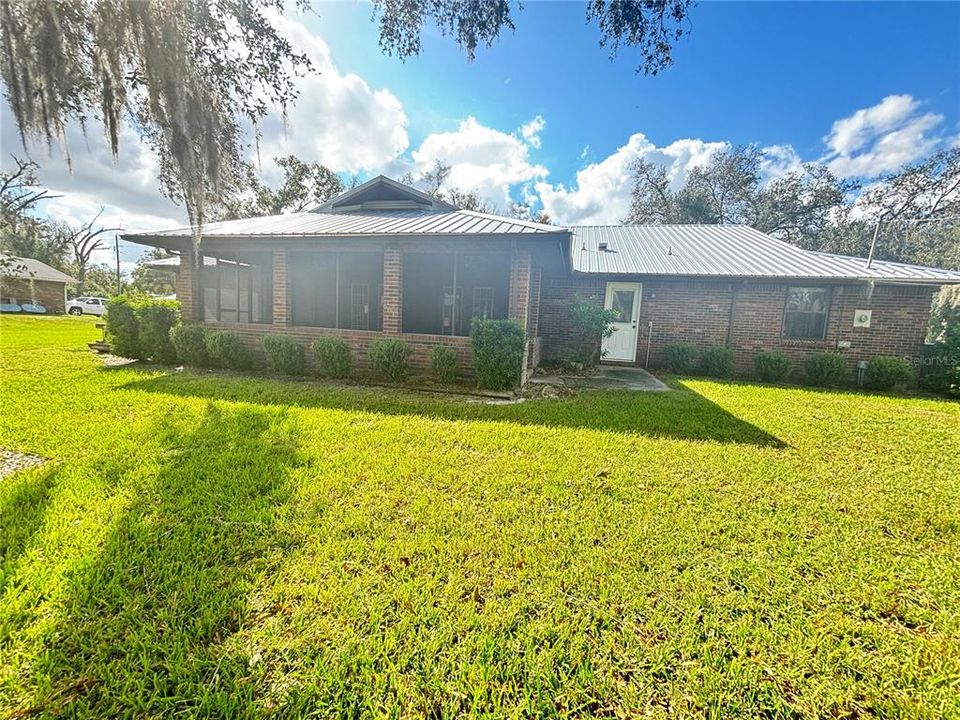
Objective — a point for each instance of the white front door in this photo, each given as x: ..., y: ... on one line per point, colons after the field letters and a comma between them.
x: 624, y: 299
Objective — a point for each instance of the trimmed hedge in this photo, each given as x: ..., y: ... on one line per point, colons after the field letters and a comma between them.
x: 772, y: 366
x: 284, y: 354
x: 333, y: 357
x: 443, y: 359
x: 189, y: 340
x: 226, y: 349
x: 139, y: 327
x: 122, y: 328
x: 717, y: 362
x: 681, y: 358
x: 388, y: 357
x: 155, y: 319
x: 497, y: 353
x: 826, y: 369
x: 886, y: 373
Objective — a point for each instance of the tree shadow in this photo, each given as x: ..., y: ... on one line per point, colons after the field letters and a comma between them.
x: 23, y: 506
x: 144, y: 623
x: 681, y: 414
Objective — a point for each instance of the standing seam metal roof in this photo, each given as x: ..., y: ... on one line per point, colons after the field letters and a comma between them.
x: 723, y: 251
x: 384, y: 222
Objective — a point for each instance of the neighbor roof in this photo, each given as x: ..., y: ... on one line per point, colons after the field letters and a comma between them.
x: 724, y: 251
x: 29, y: 269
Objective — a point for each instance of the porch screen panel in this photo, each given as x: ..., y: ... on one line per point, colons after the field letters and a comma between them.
x: 337, y: 289
x: 237, y: 287
x: 313, y: 288
x: 442, y: 292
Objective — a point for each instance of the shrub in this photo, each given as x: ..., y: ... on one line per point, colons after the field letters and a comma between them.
x: 593, y: 322
x: 190, y: 343
x: 122, y: 327
x: 226, y: 349
x: 497, y: 353
x: 886, y: 373
x: 333, y: 356
x: 826, y: 369
x: 717, y: 362
x: 155, y: 320
x: 771, y: 366
x: 681, y: 358
x: 443, y: 358
x: 284, y: 354
x: 389, y: 358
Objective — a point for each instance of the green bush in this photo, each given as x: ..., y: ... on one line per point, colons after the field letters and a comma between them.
x: 681, y: 358
x: 388, y: 357
x: 284, y: 354
x: 190, y: 343
x: 885, y: 372
x: 443, y: 358
x: 772, y: 366
x: 826, y: 369
x: 717, y: 362
x: 333, y: 356
x: 497, y: 353
x: 226, y: 349
x: 155, y: 319
x: 123, y: 327
x: 592, y: 322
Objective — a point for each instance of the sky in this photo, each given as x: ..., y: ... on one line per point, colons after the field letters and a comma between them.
x: 546, y: 117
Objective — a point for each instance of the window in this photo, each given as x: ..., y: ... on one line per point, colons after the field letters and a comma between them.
x: 482, y: 302
x: 805, y: 314
x: 237, y: 287
x: 336, y: 289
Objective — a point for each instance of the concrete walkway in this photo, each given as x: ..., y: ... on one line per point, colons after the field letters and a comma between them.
x: 607, y: 378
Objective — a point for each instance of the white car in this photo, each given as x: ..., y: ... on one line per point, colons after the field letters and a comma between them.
x: 87, y: 306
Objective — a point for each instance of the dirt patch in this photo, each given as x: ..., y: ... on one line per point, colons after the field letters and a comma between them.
x: 11, y: 462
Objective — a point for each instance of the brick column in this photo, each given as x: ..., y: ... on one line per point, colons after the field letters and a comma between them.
x: 185, y: 286
x: 392, y: 291
x: 520, y: 286
x: 281, y: 294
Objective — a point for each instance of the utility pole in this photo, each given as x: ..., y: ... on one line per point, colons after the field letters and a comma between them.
x: 116, y: 249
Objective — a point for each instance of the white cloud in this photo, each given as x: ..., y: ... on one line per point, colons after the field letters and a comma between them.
x: 779, y: 161
x: 481, y: 158
x: 530, y: 131
x: 881, y: 138
x: 602, y: 192
x: 338, y: 119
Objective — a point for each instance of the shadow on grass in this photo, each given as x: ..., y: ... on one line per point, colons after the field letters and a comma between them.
x: 22, y: 510
x: 144, y: 623
x: 682, y: 414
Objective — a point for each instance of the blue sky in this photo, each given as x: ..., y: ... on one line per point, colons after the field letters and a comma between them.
x: 770, y: 73
x: 545, y: 116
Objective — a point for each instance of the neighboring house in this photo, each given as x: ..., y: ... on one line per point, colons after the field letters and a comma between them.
x: 385, y: 260
x: 31, y: 282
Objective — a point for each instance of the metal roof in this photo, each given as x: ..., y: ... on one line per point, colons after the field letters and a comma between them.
x: 29, y: 269
x: 364, y: 223
x: 724, y: 251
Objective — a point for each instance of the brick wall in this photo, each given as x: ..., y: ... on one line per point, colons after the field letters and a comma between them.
x: 392, y: 291
x: 699, y: 312
x: 185, y: 286
x: 44, y: 292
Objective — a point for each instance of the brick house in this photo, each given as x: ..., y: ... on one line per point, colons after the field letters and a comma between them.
x: 25, y: 281
x: 385, y: 260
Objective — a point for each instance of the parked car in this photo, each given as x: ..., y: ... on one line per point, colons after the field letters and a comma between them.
x: 87, y: 306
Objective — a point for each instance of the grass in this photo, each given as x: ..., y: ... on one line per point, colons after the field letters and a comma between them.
x: 213, y: 545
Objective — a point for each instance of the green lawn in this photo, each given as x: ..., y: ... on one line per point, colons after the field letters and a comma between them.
x: 201, y: 544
